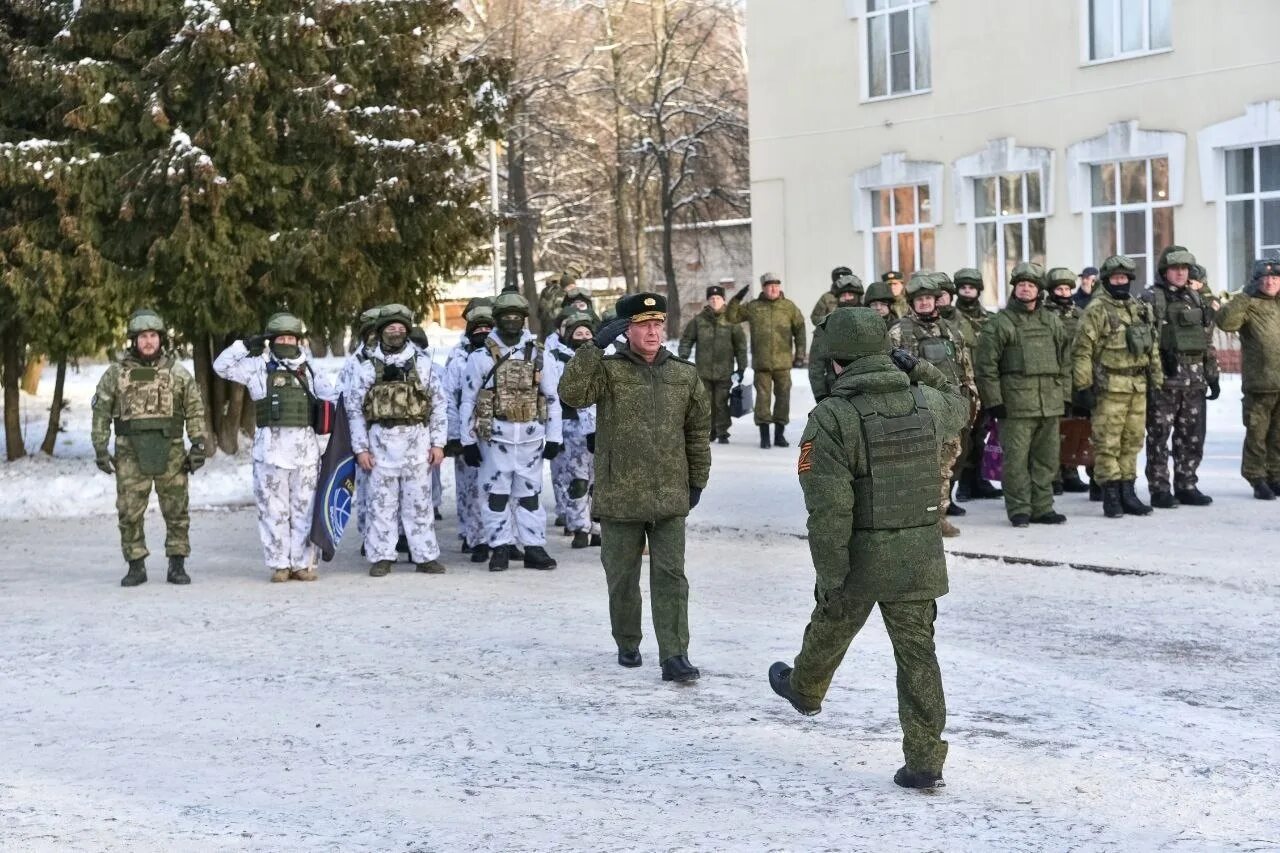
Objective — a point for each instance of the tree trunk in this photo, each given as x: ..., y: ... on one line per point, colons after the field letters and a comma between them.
x: 223, y: 401
x: 31, y: 375
x: 524, y: 227
x: 12, y: 358
x: 669, y: 271
x: 55, y: 408
x: 319, y: 345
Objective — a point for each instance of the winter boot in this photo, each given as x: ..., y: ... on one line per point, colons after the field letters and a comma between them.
x: 1050, y: 517
x: 499, y: 559
x: 984, y: 491
x: 949, y: 530
x: 466, y: 547
x: 724, y: 439
x: 280, y: 576
x: 380, y: 569
x: 1112, y: 507
x: 779, y: 439
x: 780, y: 681
x: 1261, y: 490
x: 964, y: 488
x: 953, y: 508
x: 764, y: 437
x: 536, y: 557
x: 1095, y: 491
x: 439, y: 516
x: 919, y: 779
x: 581, y: 539
x: 1129, y: 500
x: 431, y: 567
x: 559, y: 522
x: 137, y: 573
x: 677, y: 668
x: 595, y: 540
x: 1274, y: 486
x: 302, y: 575
x: 514, y: 552
x: 1020, y: 520
x: 1192, y: 497
x: 1071, y: 481
x: 630, y: 660
x: 480, y: 553
x: 402, y: 545
x: 178, y: 571
x: 1057, y: 488
x: 1163, y: 500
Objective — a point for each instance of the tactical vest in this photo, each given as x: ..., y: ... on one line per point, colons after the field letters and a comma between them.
x: 144, y: 400
x: 1034, y: 354
x: 938, y: 350
x: 288, y: 399
x: 900, y: 489
x: 517, y: 397
x: 1132, y: 337
x: 1184, y: 329
x: 396, y: 397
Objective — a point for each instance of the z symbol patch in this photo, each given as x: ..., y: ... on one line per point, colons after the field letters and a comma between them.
x: 806, y: 458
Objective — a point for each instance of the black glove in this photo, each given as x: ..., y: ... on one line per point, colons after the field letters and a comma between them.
x: 798, y: 361
x: 1085, y: 401
x: 695, y: 495
x: 551, y: 449
x: 195, y: 458
x: 1067, y: 410
x: 1215, y: 389
x: 998, y: 412
x: 471, y: 455
x: 609, y: 332
x: 741, y: 294
x: 591, y: 442
x: 905, y: 361
x: 103, y: 460
x: 1169, y: 362
x: 256, y: 345
x: 453, y: 448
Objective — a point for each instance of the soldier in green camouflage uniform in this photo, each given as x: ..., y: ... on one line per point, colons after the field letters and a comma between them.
x: 1062, y: 304
x: 717, y: 346
x: 972, y: 485
x: 868, y: 468
x: 149, y: 397
x: 1024, y: 379
x: 879, y: 298
x: 846, y: 290
x: 1255, y: 314
x: 777, y: 345
x: 653, y: 458
x: 1114, y: 363
x: 849, y: 289
x: 901, y: 306
x: 925, y: 335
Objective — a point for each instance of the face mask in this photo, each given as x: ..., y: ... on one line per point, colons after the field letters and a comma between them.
x: 1117, y: 291
x: 1064, y: 301
x: 393, y: 341
x: 476, y: 338
x: 574, y: 343
x: 510, y: 326
x: 285, y: 352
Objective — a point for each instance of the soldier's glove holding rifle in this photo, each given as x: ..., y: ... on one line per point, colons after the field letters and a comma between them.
x: 1169, y: 362
x: 905, y: 361
x: 256, y: 345
x: 1215, y: 389
x: 453, y: 447
x: 471, y: 455
x: 103, y: 461
x: 609, y: 331
x: 695, y: 495
x: 998, y: 412
x: 195, y: 457
x: 1085, y: 401
x: 552, y: 449
x: 591, y: 442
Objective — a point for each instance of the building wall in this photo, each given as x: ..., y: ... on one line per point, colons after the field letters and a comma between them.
x: 1009, y: 84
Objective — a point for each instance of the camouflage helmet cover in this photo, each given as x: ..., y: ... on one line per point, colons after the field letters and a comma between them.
x: 923, y: 283
x: 284, y: 323
x: 1175, y: 256
x: 509, y: 301
x: 395, y: 313
x: 1061, y: 275
x: 1027, y: 271
x: 944, y: 282
x: 968, y: 275
x: 878, y: 291
x: 848, y: 283
x: 1118, y: 264
x: 145, y: 320
x: 856, y: 332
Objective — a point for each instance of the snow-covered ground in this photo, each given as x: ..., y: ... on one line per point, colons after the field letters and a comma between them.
x: 473, y: 711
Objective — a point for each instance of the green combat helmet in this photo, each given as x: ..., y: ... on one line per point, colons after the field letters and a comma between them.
x: 475, y: 303
x: 1061, y: 275
x: 878, y: 291
x: 848, y: 283
x: 284, y: 323
x: 145, y: 320
x: 1175, y: 256
x: 578, y: 318
x: 1117, y: 264
x: 395, y: 313
x: 968, y: 275
x: 923, y: 283
x: 944, y: 282
x: 509, y: 301
x: 369, y: 320
x: 1026, y: 271
x: 853, y: 333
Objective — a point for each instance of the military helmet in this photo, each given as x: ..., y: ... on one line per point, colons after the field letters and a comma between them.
x: 1061, y: 275
x: 1117, y: 264
x: 968, y: 275
x: 838, y: 273
x: 481, y: 315
x: 1027, y: 271
x: 852, y: 333
x: 1265, y: 267
x: 576, y: 319
x: 395, y: 313
x: 418, y: 335
x: 922, y: 283
x: 944, y: 282
x: 573, y: 293
x: 284, y: 323
x: 510, y: 301
x: 878, y: 291
x: 610, y: 313
x: 1175, y: 256
x: 848, y: 283
x: 1200, y: 274
x: 145, y: 320
x: 476, y: 302
x: 369, y: 319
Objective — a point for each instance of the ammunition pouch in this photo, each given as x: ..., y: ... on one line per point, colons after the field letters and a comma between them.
x: 287, y: 402
x: 482, y: 417
x: 1184, y: 331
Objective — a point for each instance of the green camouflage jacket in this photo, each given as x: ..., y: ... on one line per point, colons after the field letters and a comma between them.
x: 777, y: 331
x: 976, y: 312
x: 1257, y: 319
x: 826, y: 303
x: 907, y: 332
x: 1007, y: 346
x: 1100, y: 354
x: 716, y: 345
x: 653, y: 423
x: 887, y: 565
x: 188, y: 405
x: 1068, y: 315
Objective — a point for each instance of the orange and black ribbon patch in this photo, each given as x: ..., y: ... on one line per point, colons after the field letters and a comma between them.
x: 806, y: 458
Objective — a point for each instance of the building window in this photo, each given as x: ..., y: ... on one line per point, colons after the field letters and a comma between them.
x: 1120, y: 28
x: 902, y: 229
x: 1131, y: 211
x: 897, y: 47
x: 1253, y: 209
x: 1008, y: 224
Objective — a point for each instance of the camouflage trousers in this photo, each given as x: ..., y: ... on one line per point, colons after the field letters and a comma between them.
x: 621, y: 553
x: 718, y: 391
x: 578, y: 474
x: 467, y: 498
x: 512, y: 474
x: 400, y: 499
x: 1260, y: 459
x: 362, y: 500
x: 133, y: 491
x: 560, y: 480
x: 922, y: 707
x: 1179, y: 411
x: 773, y: 396
x: 437, y: 486
x: 1119, y: 426
x: 285, y: 497
x: 947, y: 456
x: 1031, y: 451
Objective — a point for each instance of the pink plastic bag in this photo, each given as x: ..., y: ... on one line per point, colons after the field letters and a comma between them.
x: 993, y: 455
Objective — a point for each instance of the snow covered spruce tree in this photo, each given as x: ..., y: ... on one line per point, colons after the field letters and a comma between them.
x: 316, y: 155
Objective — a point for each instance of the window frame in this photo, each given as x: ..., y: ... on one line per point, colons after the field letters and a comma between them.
x: 894, y: 229
x: 1087, y: 57
x: 866, y: 20
x: 1000, y: 219
x: 1118, y: 208
x: 1257, y: 196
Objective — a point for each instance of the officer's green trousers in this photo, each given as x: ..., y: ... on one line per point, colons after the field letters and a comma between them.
x: 621, y: 552
x: 1031, y: 450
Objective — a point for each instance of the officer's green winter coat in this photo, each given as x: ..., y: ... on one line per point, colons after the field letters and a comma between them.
x: 652, y: 427
x: 1024, y: 362
x: 1257, y: 319
x: 886, y: 565
x: 716, y: 344
x: 777, y: 330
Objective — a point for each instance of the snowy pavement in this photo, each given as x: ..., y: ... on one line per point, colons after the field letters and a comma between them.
x: 473, y: 711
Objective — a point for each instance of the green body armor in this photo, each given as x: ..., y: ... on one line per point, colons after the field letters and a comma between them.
x: 1035, y: 354
x: 939, y: 351
x: 288, y: 400
x: 901, y: 487
x: 1183, y: 330
x: 398, y: 400
x: 145, y: 414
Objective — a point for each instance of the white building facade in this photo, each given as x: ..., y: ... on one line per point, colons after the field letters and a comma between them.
x: 909, y: 134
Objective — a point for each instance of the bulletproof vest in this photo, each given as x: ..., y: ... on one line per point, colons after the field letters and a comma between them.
x: 288, y: 400
x: 396, y: 397
x: 1184, y: 329
x: 1138, y: 335
x: 144, y: 399
x: 938, y: 350
x: 900, y: 489
x: 1033, y: 354
x: 516, y: 395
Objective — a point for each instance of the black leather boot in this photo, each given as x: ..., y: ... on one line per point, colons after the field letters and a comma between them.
x: 630, y: 660
x: 1163, y: 500
x: 764, y: 437
x: 480, y: 553
x: 498, y: 560
x: 1261, y: 490
x: 137, y: 573
x: 677, y: 668
x: 536, y: 557
x: 780, y: 681
x: 1192, y: 497
x: 1112, y: 507
x: 1071, y: 482
x: 178, y: 571
x: 1129, y: 500
x: 779, y: 439
x: 919, y: 779
x: 581, y: 539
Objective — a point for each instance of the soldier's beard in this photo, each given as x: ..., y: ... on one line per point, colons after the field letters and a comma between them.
x: 968, y: 300
x: 155, y: 356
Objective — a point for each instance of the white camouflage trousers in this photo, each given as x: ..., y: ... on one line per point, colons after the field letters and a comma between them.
x: 560, y: 481
x: 466, y: 487
x: 511, y: 480
x: 578, y: 475
x: 285, y: 497
x: 362, y: 500
x: 401, y: 499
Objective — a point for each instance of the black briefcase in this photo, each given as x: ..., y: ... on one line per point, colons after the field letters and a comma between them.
x: 742, y: 399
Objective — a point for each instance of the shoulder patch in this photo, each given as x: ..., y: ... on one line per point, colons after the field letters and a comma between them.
x: 806, y: 458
